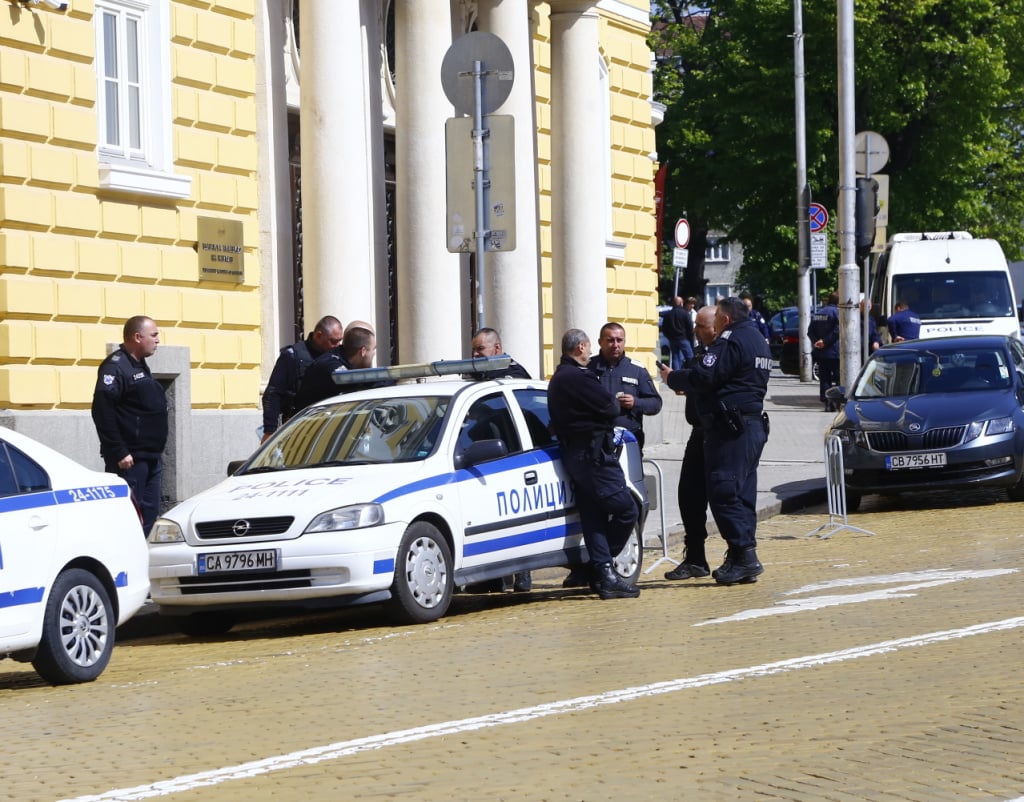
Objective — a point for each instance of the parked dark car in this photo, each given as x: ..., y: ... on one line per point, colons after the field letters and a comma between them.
x: 785, y: 339
x: 946, y: 412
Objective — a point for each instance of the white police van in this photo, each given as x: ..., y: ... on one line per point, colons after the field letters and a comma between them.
x: 396, y: 494
x: 73, y: 561
x: 954, y: 283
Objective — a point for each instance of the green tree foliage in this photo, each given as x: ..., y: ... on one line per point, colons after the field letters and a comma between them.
x: 941, y: 80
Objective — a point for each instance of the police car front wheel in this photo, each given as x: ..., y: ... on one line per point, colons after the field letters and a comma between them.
x: 78, y: 630
x: 424, y: 580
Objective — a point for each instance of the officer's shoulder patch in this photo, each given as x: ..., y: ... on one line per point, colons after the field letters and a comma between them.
x: 108, y: 379
x: 709, y: 359
x: 115, y: 357
x: 725, y: 335
x: 634, y: 362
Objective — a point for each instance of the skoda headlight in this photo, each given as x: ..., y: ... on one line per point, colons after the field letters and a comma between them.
x: 165, y: 531
x: 999, y: 426
x: 356, y: 516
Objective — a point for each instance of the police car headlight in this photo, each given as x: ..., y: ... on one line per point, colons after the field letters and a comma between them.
x: 165, y: 531
x: 357, y: 516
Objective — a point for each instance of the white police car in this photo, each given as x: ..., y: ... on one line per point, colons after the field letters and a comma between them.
x: 397, y: 494
x: 72, y: 561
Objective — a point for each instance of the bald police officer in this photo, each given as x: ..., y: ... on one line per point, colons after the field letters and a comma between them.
x: 735, y: 373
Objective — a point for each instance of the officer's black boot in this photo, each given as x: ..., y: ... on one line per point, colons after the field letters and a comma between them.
x: 693, y: 566
x: 578, y: 577
x: 741, y: 567
x: 609, y: 585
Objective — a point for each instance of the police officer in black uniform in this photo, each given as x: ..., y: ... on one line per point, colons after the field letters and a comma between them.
x: 129, y: 409
x: 356, y: 351
x: 289, y: 369
x: 583, y: 418
x: 735, y: 371
x: 627, y: 380
x: 692, y: 493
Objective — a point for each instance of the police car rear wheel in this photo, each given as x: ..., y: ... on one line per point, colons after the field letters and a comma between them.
x: 423, y: 585
x: 78, y: 630
x: 628, y: 562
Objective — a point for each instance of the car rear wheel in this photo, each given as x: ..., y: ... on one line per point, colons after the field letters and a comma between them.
x: 199, y: 625
x: 424, y: 576
x: 78, y: 630
x: 627, y: 563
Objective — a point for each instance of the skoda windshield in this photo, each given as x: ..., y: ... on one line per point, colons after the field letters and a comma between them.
x: 899, y: 373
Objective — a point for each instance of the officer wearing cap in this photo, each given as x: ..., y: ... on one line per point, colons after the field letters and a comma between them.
x: 735, y: 372
x: 627, y: 380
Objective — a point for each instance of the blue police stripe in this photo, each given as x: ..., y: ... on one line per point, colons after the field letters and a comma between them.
x: 23, y: 596
x: 522, y: 539
x: 384, y: 566
x: 521, y: 460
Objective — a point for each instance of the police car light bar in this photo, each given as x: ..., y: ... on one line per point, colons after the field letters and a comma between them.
x: 423, y: 370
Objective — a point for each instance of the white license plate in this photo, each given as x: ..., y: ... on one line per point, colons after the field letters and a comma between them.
x: 899, y: 462
x: 263, y: 560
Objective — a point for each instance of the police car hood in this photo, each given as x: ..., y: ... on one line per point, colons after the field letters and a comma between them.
x: 303, y: 492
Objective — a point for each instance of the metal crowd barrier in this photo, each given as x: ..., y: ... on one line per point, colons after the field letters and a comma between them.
x: 657, y: 500
x: 835, y: 487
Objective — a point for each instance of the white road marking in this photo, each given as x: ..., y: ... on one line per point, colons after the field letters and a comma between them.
x: 916, y: 581
x: 335, y: 751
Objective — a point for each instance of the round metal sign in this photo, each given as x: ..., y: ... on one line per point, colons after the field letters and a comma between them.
x: 871, y: 152
x: 496, y: 67
x: 818, y: 216
x: 682, y: 233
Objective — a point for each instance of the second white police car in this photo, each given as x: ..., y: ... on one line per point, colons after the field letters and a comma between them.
x: 396, y: 494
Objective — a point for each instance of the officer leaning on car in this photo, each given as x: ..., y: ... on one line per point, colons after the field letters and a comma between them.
x: 735, y: 371
x: 583, y: 417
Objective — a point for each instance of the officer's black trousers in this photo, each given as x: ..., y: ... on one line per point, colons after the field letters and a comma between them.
x: 731, y: 465
x: 693, y: 495
x: 144, y: 479
x: 607, y: 511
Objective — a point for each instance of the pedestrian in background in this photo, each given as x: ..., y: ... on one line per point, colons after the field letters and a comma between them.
x: 823, y: 332
x: 582, y: 417
x: 692, y: 493
x: 289, y: 369
x: 756, y: 316
x: 734, y: 372
x: 129, y: 409
x: 904, y: 323
x: 677, y: 326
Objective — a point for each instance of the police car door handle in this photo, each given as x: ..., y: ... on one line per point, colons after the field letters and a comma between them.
x: 35, y: 522
x: 530, y: 478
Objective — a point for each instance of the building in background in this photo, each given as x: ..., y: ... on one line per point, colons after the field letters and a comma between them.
x: 235, y: 169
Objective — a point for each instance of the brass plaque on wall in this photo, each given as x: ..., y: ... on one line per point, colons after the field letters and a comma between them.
x: 220, y: 250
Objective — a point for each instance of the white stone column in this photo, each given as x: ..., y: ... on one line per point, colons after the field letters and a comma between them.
x: 578, y: 193
x: 339, y: 243
x: 512, y: 297
x: 430, y: 297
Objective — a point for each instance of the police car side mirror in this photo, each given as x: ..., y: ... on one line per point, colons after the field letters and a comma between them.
x: 836, y: 395
x: 234, y: 465
x: 481, y: 451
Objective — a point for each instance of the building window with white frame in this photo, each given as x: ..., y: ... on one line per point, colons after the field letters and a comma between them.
x: 716, y: 251
x: 133, y: 98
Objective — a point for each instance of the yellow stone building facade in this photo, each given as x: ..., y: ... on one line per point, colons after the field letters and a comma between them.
x: 128, y: 125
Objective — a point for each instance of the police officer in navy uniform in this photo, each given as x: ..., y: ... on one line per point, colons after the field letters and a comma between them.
x: 904, y: 323
x: 735, y: 372
x: 356, y: 351
x: 627, y: 380
x: 823, y: 332
x: 692, y: 493
x: 289, y: 369
x: 129, y: 409
x: 583, y: 417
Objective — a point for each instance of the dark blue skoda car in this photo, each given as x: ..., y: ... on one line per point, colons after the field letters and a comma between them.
x: 934, y: 413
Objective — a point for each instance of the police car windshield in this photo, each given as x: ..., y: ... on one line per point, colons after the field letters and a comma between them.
x: 371, y: 431
x: 889, y: 375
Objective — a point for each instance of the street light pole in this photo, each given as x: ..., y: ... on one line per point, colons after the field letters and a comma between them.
x: 849, y: 276
x: 803, y: 194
